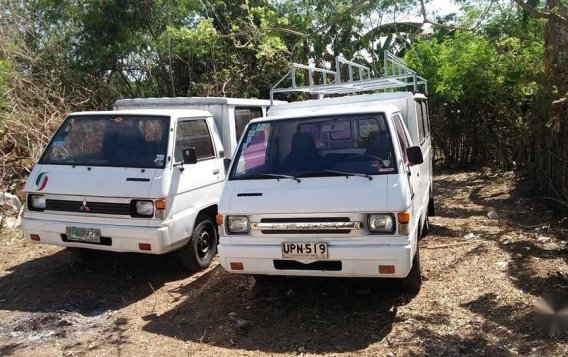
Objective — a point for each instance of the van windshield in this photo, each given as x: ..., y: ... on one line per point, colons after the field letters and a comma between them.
x: 316, y: 146
x: 110, y: 140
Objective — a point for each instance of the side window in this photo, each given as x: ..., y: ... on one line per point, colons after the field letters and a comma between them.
x: 402, y: 139
x: 426, y: 118
x: 193, y: 133
x: 242, y: 117
x: 420, y: 122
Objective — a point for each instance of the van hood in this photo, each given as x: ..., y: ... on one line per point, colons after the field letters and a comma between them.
x: 312, y: 195
x: 95, y: 181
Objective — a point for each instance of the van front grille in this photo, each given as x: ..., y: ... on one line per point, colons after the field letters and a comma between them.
x: 88, y: 207
x: 303, y: 225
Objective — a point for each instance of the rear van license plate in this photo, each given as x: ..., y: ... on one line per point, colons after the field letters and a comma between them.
x: 89, y: 235
x: 304, y: 250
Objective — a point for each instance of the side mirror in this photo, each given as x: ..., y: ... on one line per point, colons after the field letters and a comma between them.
x: 226, y: 163
x: 414, y: 154
x: 189, y: 156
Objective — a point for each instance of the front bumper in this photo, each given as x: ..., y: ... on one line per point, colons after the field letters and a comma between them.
x: 357, y: 259
x: 122, y: 238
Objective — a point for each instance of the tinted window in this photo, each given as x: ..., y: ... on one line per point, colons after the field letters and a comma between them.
x: 193, y: 133
x: 420, y: 122
x: 402, y: 138
x: 254, y: 153
x: 426, y: 118
x: 306, y: 147
x: 367, y: 126
x: 110, y: 140
x: 243, y: 116
x: 342, y: 131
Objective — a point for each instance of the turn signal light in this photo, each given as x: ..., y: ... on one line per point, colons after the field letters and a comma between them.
x: 219, y: 219
x: 237, y: 266
x: 144, y: 246
x: 160, y: 204
x: 386, y: 269
x: 35, y: 237
x: 403, y: 217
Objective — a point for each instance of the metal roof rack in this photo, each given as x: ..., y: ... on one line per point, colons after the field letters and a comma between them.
x: 396, y: 75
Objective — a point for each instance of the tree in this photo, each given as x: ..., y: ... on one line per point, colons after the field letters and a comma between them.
x: 482, y: 85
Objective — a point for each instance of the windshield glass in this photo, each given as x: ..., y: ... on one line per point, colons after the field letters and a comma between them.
x: 110, y: 140
x: 316, y: 146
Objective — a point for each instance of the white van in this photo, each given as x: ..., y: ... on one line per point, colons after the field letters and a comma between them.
x: 331, y: 187
x: 145, y: 181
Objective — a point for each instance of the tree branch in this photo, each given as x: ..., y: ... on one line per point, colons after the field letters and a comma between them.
x: 329, y: 22
x: 267, y: 29
x: 435, y: 24
x: 551, y: 16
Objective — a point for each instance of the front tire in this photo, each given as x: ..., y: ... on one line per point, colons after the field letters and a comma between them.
x: 198, y: 253
x: 425, y: 227
x: 431, y: 208
x: 413, y: 280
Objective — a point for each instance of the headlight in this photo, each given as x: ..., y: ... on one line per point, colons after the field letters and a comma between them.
x: 143, y: 209
x: 238, y: 224
x: 381, y: 223
x: 36, y: 202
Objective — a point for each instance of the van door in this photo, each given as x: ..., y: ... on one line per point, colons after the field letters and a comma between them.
x: 198, y: 185
x: 412, y: 172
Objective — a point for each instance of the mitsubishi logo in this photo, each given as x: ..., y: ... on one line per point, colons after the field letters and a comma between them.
x: 84, y: 207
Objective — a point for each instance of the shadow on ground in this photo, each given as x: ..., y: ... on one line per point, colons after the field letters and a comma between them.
x: 522, y: 219
x: 59, y: 282
x: 316, y: 315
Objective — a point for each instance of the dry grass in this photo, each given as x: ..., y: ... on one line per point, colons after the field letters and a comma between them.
x: 471, y: 302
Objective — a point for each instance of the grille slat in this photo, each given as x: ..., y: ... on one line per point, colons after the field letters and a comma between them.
x: 93, y: 207
x: 301, y: 225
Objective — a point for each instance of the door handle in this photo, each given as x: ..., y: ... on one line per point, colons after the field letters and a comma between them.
x: 215, y: 171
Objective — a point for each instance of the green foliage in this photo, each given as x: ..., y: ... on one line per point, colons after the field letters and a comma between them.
x: 88, y: 53
x: 481, y: 89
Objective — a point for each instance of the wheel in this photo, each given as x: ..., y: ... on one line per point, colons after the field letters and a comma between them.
x: 84, y: 255
x: 413, y: 280
x: 425, y: 227
x: 197, y: 254
x: 431, y: 208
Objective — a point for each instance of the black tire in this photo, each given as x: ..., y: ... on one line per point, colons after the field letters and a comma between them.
x: 431, y: 208
x: 425, y: 226
x: 198, y: 253
x: 413, y: 280
x: 84, y: 255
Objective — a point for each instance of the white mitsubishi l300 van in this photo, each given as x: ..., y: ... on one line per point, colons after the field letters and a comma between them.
x: 331, y: 187
x: 145, y: 181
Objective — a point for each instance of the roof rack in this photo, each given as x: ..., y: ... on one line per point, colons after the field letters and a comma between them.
x: 396, y: 75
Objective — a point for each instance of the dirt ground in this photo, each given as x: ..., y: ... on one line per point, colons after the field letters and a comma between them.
x: 493, y: 251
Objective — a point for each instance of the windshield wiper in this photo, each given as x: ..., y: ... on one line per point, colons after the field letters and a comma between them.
x: 339, y: 173
x: 276, y: 176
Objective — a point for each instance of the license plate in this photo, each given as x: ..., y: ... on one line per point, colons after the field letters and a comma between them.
x: 90, y: 235
x: 304, y: 250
